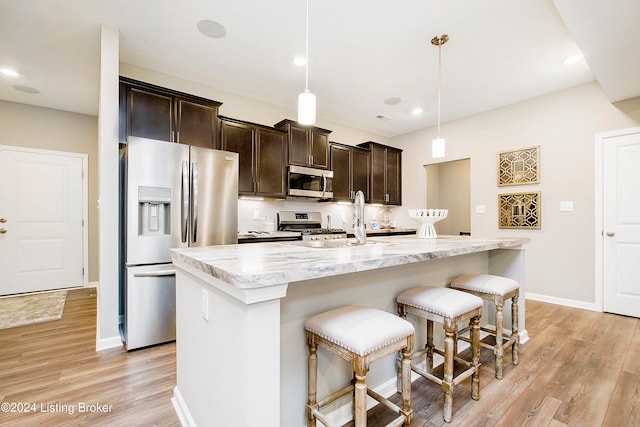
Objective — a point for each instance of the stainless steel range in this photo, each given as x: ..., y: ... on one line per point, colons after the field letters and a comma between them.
x: 309, y: 224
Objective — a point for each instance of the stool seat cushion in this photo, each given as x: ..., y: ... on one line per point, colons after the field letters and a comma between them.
x: 442, y: 301
x: 485, y: 283
x: 360, y: 330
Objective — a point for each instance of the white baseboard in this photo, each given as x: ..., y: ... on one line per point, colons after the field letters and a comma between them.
x: 91, y: 285
x: 186, y: 420
x: 562, y: 301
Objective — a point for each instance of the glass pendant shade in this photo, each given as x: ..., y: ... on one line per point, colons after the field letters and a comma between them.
x: 437, y: 148
x: 306, y: 108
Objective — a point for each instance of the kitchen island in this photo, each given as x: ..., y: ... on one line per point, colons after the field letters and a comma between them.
x: 240, y: 312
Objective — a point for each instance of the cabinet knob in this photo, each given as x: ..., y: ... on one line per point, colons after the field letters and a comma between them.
x: 3, y: 220
x: 610, y: 233
x: 3, y: 230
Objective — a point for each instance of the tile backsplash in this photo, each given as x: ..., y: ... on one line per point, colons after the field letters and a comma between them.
x: 257, y: 215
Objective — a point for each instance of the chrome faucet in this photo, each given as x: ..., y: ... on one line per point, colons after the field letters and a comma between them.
x: 358, y: 219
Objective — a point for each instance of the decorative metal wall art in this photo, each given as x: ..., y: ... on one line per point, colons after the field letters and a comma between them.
x: 519, y: 210
x: 519, y: 167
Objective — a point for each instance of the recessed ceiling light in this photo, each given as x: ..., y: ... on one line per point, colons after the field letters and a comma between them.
x: 300, y: 61
x: 417, y: 111
x: 9, y: 72
x: 212, y: 29
x: 26, y: 89
x: 572, y: 59
x: 392, y: 101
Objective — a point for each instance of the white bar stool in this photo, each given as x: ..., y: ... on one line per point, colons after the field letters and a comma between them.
x: 496, y: 289
x: 449, y: 307
x: 361, y: 336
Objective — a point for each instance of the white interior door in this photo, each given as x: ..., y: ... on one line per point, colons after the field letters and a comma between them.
x: 621, y: 224
x: 41, y: 211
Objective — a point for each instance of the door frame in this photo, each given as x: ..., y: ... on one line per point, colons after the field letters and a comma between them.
x: 85, y: 198
x: 600, y: 139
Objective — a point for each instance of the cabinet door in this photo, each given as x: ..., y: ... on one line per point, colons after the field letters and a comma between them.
x: 271, y: 163
x: 340, y: 164
x: 238, y: 138
x: 319, y: 149
x: 394, y: 193
x: 378, y: 172
x: 197, y: 124
x: 150, y: 114
x: 360, y: 173
x: 298, y: 146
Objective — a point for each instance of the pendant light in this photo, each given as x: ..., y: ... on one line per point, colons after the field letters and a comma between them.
x: 438, y: 144
x: 307, y: 100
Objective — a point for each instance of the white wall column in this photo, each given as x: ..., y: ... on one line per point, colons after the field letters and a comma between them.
x: 107, y: 334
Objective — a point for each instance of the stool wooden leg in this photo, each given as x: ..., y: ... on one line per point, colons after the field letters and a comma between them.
x: 499, y: 349
x: 360, y: 400
x: 312, y: 378
x: 447, y: 382
x: 514, y: 329
x: 475, y: 357
x: 429, y: 346
x: 406, y: 384
x: 399, y: 366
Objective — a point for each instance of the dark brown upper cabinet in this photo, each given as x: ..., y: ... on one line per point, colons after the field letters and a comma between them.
x: 150, y: 111
x: 350, y: 166
x: 262, y: 154
x: 386, y: 172
x: 308, y: 145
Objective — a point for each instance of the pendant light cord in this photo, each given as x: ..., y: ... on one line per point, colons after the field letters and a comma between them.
x: 439, y: 82
x: 306, y: 61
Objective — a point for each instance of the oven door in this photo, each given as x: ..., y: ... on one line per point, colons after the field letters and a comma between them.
x: 310, y: 182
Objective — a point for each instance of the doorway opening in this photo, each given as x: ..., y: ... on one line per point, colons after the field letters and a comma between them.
x: 449, y: 187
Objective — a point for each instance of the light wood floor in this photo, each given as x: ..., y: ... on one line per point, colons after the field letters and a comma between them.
x: 56, y: 363
x: 580, y: 368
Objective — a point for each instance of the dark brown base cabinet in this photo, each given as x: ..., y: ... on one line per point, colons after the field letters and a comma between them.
x: 150, y: 111
x: 262, y: 153
x: 350, y: 166
x: 308, y: 145
x: 386, y: 173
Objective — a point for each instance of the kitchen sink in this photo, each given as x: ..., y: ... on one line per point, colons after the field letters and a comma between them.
x: 337, y: 243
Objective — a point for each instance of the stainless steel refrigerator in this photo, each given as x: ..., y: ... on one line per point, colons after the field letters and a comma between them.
x: 172, y: 195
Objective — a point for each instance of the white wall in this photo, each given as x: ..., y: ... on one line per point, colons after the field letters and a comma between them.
x: 560, y: 255
x: 108, y: 334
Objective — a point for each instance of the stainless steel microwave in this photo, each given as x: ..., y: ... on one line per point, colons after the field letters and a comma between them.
x: 310, y: 182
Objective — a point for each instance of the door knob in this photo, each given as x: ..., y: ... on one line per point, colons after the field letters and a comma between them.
x: 3, y: 230
x: 610, y: 233
x: 3, y: 220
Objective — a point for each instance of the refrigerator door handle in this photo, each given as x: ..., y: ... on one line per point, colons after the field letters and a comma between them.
x: 157, y: 273
x: 184, y: 202
x: 194, y: 202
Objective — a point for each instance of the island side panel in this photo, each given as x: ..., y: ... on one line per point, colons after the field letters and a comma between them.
x: 228, y: 367
x: 375, y: 288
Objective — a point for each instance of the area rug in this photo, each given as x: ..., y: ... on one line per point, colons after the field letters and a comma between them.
x: 21, y: 310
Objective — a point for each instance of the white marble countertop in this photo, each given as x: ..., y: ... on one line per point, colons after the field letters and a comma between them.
x: 267, y: 264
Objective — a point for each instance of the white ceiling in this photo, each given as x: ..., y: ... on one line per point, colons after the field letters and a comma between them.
x: 361, y: 52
